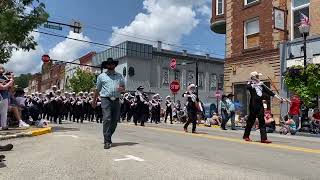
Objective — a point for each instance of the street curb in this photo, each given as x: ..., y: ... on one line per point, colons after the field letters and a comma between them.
x: 41, y: 131
x: 28, y: 134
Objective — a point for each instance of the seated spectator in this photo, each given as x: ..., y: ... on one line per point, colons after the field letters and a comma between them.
x: 289, y: 126
x: 214, y: 120
x: 270, y: 123
x: 315, y: 121
x: 15, y: 109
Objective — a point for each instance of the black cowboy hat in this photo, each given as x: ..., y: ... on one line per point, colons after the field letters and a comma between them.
x: 230, y: 95
x: 109, y: 61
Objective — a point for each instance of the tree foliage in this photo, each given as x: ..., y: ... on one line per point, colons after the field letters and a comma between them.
x: 16, y: 23
x: 82, y: 81
x: 305, y: 82
x: 23, y: 80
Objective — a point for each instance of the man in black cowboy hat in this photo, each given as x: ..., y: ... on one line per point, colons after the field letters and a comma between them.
x: 110, y: 85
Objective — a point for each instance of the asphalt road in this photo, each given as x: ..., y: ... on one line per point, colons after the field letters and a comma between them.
x: 75, y: 151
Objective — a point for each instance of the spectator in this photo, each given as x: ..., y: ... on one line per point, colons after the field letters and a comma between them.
x: 270, y: 123
x: 294, y: 111
x: 214, y: 120
x: 224, y: 111
x: 15, y: 109
x: 315, y: 121
x: 289, y: 126
x: 5, y: 84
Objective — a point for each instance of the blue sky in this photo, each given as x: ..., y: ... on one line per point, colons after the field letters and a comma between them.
x: 180, y: 22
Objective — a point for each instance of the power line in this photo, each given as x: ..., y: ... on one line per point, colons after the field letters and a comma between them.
x: 89, y: 42
x: 145, y: 39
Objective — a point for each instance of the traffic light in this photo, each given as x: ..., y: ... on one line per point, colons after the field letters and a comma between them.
x: 77, y: 27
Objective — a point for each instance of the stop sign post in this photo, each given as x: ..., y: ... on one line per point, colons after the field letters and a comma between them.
x: 173, y: 64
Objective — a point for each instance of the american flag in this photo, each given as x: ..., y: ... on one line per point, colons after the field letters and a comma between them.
x: 304, y: 20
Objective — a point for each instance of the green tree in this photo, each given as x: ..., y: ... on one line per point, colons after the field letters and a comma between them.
x: 82, y: 81
x: 23, y: 80
x: 305, y: 82
x: 16, y: 24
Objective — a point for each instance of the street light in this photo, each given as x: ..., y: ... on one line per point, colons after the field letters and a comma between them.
x: 304, y: 30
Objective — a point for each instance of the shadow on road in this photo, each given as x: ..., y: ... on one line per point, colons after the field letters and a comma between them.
x: 124, y: 144
x: 2, y: 165
x: 63, y: 129
x: 201, y: 132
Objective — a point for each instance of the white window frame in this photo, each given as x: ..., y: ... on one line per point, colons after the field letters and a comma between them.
x: 246, y: 2
x: 217, y: 9
x: 292, y: 15
x: 245, y: 30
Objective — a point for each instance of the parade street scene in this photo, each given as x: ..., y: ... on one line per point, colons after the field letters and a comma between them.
x: 160, y: 90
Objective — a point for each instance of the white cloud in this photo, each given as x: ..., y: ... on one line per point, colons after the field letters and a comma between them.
x: 24, y: 61
x: 30, y: 62
x: 68, y: 49
x: 164, y: 20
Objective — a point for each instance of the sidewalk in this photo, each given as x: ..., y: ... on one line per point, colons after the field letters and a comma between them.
x: 22, y: 132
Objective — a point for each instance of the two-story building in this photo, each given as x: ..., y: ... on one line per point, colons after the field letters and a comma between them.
x: 148, y: 66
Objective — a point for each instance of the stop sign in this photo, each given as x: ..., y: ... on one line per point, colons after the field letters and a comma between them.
x: 174, y: 86
x: 173, y: 63
x: 45, y: 58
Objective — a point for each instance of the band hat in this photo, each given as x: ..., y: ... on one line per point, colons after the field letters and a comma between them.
x: 191, y: 86
x: 140, y: 88
x: 255, y: 73
x: 168, y: 97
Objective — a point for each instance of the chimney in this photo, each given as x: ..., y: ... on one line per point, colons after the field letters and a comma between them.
x: 184, y: 52
x: 207, y: 56
x: 159, y: 47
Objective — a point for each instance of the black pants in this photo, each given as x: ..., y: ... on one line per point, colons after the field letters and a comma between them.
x: 192, y: 117
x: 168, y: 112
x: 259, y: 113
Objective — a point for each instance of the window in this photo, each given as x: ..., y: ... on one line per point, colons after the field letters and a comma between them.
x: 190, y: 78
x: 219, y: 7
x: 200, y: 80
x: 298, y: 7
x: 251, y: 33
x: 246, y: 2
x: 220, y: 83
x: 213, y: 82
x: 165, y: 76
x: 177, y: 75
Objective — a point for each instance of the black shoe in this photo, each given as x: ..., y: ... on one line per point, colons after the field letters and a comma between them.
x: 234, y: 129
x: 107, y: 145
x: 223, y: 128
x: 2, y: 157
x: 7, y: 147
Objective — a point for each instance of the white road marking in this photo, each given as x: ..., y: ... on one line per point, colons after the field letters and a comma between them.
x: 130, y: 157
x: 66, y: 135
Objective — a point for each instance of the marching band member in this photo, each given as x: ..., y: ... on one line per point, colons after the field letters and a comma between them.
x: 168, y: 109
x: 139, y: 106
x: 192, y: 104
x: 256, y: 89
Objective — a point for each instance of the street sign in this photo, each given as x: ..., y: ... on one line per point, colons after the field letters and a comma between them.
x: 51, y: 26
x: 173, y: 64
x: 174, y: 86
x: 45, y: 58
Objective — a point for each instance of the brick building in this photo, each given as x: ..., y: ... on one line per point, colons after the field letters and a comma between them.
x: 35, y: 83
x: 255, y: 33
x: 52, y: 74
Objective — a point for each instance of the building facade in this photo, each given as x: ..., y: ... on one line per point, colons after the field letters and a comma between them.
x: 148, y: 66
x: 52, y: 75
x: 34, y: 83
x: 256, y: 33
